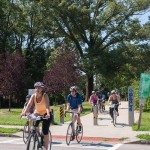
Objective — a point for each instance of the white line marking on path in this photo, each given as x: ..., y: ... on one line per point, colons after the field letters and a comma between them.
x: 9, y: 141
x: 116, y: 146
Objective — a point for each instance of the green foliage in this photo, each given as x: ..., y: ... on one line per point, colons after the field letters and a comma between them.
x: 135, y: 85
x: 144, y: 136
x: 147, y: 105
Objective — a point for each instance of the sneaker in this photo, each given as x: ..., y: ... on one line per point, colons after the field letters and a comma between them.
x: 43, y: 148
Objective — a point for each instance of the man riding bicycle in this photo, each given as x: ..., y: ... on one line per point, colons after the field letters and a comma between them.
x: 74, y: 100
x: 113, y: 99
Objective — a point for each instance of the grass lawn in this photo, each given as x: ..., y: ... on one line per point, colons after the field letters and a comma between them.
x: 8, y: 130
x: 13, y: 117
x: 145, y: 126
x: 145, y: 123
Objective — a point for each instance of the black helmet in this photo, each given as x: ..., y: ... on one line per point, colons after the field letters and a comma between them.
x: 28, y: 97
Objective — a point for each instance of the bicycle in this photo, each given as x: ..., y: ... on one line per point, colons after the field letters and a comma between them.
x: 114, y: 113
x: 26, y: 129
x: 74, y: 130
x: 35, y: 138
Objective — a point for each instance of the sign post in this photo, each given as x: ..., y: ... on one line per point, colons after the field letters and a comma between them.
x: 143, y: 94
x: 131, y: 106
x: 31, y: 91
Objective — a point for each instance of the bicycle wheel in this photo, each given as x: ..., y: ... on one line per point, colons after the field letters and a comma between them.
x: 50, y: 141
x: 114, y: 117
x: 69, y: 134
x: 79, y: 133
x: 26, y: 132
x: 33, y: 143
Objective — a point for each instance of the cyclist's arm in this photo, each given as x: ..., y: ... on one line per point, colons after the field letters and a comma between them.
x: 79, y: 104
x: 28, y: 105
x: 68, y: 103
x: 47, y: 105
x: 68, y: 107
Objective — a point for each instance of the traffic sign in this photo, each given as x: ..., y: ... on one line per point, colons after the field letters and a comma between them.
x: 144, y: 87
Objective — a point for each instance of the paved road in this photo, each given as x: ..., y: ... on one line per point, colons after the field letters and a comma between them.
x: 8, y: 143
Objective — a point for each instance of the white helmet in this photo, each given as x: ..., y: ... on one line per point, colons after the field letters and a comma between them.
x: 113, y: 92
x: 73, y: 88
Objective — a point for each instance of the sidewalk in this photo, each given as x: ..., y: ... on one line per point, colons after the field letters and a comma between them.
x: 104, y: 131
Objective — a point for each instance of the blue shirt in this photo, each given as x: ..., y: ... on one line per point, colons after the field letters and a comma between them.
x: 74, y: 101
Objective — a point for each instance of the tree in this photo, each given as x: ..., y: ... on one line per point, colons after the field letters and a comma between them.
x: 62, y: 72
x: 96, y: 28
x: 12, y: 76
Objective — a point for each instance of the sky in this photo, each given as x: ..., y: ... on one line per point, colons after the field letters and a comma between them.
x: 144, y: 18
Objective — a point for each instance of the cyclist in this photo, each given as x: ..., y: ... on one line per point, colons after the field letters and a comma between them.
x: 31, y: 110
x: 103, y: 99
x: 93, y: 99
x: 74, y: 100
x: 113, y: 99
x: 42, y: 107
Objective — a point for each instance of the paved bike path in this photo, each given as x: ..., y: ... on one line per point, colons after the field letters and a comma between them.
x: 104, y: 131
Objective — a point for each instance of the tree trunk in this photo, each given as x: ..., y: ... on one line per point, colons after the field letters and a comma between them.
x: 89, y: 87
x: 9, y: 103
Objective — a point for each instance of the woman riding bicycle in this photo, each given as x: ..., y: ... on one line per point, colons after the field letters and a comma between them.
x: 93, y: 99
x: 41, y: 101
x: 113, y: 99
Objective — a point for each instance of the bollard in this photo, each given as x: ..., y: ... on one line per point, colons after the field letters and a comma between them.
x: 62, y: 114
x: 95, y: 114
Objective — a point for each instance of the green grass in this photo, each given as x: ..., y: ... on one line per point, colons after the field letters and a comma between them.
x: 145, y: 123
x: 8, y: 130
x: 145, y: 126
x: 144, y: 136
x: 13, y: 117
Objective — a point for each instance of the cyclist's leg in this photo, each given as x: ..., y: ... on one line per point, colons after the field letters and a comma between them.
x: 111, y: 112
x: 45, y: 130
x: 116, y: 108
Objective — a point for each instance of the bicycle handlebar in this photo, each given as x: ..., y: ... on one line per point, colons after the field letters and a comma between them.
x: 71, y: 112
x: 33, y: 117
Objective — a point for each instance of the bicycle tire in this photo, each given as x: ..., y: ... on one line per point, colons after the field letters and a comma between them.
x: 69, y: 134
x: 33, y: 143
x: 50, y: 140
x: 79, y: 134
x: 26, y: 132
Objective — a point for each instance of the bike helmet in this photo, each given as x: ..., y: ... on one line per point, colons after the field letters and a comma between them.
x: 73, y: 88
x: 28, y: 97
x: 113, y: 92
x: 39, y: 84
x: 93, y: 92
